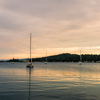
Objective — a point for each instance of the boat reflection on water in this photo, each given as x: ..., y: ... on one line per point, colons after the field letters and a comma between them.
x: 29, y: 84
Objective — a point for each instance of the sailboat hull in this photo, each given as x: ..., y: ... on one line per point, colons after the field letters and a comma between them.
x: 45, y: 62
x: 12, y: 62
x: 80, y: 63
x: 30, y: 65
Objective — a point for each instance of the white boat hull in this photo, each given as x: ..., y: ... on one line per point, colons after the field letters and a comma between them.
x: 30, y: 65
x: 80, y: 63
x: 45, y: 62
x: 12, y: 62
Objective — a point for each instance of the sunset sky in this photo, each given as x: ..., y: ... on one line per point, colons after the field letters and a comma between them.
x: 58, y: 26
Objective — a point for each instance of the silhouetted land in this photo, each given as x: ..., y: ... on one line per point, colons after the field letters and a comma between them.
x: 14, y: 60
x: 65, y: 57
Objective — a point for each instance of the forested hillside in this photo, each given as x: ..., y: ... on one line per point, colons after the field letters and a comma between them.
x: 66, y: 57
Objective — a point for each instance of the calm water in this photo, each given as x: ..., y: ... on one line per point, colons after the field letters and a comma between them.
x: 52, y: 81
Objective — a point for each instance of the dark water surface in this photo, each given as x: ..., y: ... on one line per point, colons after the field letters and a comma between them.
x: 52, y: 81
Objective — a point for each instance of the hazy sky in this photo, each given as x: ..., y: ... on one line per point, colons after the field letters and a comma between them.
x: 58, y: 26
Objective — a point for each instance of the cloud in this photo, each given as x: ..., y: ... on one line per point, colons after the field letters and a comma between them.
x: 53, y: 24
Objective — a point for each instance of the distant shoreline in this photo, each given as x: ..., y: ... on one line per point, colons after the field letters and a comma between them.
x: 65, y: 57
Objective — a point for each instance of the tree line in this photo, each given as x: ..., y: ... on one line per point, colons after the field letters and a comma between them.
x: 67, y: 57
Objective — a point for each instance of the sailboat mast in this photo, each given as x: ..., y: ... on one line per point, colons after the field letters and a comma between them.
x: 30, y: 49
x: 46, y: 55
x: 80, y: 56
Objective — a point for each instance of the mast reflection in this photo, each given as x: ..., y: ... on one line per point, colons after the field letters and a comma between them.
x: 29, y: 83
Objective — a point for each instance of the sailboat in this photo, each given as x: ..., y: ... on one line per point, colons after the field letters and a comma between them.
x: 30, y: 64
x: 12, y: 61
x: 80, y: 63
x: 46, y: 58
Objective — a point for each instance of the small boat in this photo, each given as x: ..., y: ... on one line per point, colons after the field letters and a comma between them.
x: 45, y: 62
x: 80, y: 63
x: 30, y: 64
x: 12, y: 62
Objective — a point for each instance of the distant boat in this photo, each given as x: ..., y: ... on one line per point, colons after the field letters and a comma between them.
x: 30, y: 64
x: 80, y: 63
x: 12, y: 62
x: 46, y: 58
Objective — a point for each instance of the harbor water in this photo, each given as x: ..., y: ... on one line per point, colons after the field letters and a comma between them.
x: 51, y: 81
